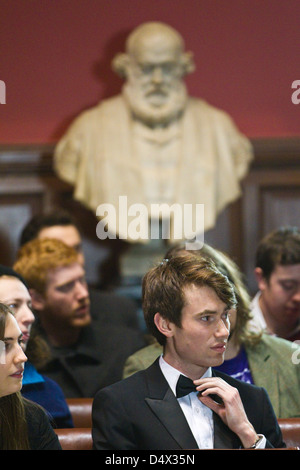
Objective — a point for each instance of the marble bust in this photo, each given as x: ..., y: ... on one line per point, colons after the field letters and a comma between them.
x: 153, y: 143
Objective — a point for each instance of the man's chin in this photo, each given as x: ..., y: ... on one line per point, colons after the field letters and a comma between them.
x: 157, y: 108
x: 158, y: 115
x: 157, y: 100
x: 80, y: 321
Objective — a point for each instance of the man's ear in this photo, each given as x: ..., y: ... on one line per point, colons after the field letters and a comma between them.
x: 37, y: 300
x: 187, y: 62
x: 260, y: 278
x: 165, y: 327
x: 120, y: 64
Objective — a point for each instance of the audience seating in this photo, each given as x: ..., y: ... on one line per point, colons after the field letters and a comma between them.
x: 290, y: 428
x: 81, y: 411
x: 75, y: 438
x: 80, y: 437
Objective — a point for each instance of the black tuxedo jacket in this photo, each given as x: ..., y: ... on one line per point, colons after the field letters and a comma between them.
x: 142, y: 413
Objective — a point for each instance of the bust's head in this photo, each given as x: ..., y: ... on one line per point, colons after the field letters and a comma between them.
x: 154, y: 66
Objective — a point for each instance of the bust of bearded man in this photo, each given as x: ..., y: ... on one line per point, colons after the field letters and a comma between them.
x: 153, y: 143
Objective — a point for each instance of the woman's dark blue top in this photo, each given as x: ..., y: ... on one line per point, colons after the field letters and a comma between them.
x: 48, y: 394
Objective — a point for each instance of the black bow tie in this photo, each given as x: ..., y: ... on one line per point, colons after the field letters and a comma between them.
x: 184, y: 386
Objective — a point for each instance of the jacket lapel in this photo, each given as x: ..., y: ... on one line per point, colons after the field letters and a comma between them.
x: 171, y: 416
x: 224, y: 438
x: 164, y: 405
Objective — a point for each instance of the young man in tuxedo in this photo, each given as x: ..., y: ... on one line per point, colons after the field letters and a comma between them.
x: 187, y: 303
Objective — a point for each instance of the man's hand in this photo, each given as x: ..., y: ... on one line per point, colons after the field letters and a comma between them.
x: 231, y: 412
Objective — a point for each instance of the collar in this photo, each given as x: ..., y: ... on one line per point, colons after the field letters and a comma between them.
x: 172, y: 375
x: 159, y: 135
x: 258, y: 319
x: 31, y: 375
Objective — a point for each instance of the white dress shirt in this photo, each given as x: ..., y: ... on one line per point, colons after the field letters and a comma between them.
x: 258, y: 322
x: 198, y: 415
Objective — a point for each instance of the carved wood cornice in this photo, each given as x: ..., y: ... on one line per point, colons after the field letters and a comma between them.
x: 37, y: 158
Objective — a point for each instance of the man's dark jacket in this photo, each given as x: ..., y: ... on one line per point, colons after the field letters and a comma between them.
x: 95, y: 361
x: 142, y: 413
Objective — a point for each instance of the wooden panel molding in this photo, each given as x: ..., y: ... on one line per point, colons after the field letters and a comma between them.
x: 271, y: 197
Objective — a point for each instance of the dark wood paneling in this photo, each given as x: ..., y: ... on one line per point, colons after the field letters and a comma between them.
x: 271, y: 197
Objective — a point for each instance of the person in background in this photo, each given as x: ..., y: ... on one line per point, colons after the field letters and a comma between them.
x: 252, y: 357
x: 179, y: 402
x: 276, y: 306
x: 35, y: 386
x: 86, y: 354
x: 23, y: 424
x: 107, y: 306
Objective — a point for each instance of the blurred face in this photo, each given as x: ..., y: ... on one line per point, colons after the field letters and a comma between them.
x: 12, y: 359
x: 66, y: 300
x: 201, y: 340
x: 280, y: 298
x: 15, y: 295
x: 154, y: 89
x: 67, y: 234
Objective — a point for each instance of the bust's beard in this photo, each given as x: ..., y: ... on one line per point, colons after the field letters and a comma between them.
x: 156, y: 116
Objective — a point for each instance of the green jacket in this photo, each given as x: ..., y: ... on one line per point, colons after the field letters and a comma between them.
x: 273, y: 365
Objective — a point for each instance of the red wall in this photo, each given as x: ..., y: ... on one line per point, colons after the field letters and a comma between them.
x: 55, y: 59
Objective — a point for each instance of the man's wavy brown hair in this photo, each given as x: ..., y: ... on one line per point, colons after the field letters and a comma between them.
x: 163, y: 288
